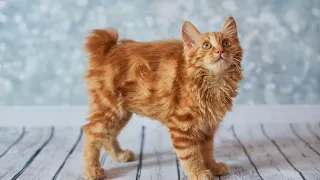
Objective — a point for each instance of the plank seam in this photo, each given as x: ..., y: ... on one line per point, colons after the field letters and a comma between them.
x: 245, y: 151
x: 159, y: 158
x: 301, y: 139
x: 15, y: 142
x: 141, y: 153
x: 68, y: 155
x: 312, y: 132
x: 103, y: 158
x: 3, y: 175
x: 34, y: 155
x: 178, y: 167
x: 279, y: 149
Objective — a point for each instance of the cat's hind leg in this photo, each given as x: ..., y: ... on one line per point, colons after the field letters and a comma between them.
x: 111, y: 144
x: 102, y: 131
x: 93, y: 136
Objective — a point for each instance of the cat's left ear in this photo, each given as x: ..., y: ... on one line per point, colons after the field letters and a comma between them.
x: 230, y: 27
x: 189, y: 34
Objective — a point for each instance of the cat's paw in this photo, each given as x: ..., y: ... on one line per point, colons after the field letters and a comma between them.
x: 220, y: 169
x: 205, y: 175
x: 125, y: 156
x: 94, y: 173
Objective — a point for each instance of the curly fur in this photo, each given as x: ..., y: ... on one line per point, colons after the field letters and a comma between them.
x: 181, y: 83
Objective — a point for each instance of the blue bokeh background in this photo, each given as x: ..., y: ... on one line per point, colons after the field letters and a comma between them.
x: 42, y: 61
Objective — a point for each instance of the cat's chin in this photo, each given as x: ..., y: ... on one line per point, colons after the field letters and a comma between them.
x: 218, y: 66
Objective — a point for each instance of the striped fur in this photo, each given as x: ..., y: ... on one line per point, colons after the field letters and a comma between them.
x: 187, y: 87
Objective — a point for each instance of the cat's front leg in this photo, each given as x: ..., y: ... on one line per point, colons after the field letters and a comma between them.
x: 190, y: 152
x: 217, y: 168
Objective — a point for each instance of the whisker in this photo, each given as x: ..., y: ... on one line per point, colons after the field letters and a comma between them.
x: 236, y: 51
x: 239, y: 59
x: 237, y: 66
x: 236, y: 59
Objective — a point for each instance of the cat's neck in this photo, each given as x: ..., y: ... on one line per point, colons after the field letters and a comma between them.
x: 204, y: 78
x: 215, y: 93
x: 214, y: 89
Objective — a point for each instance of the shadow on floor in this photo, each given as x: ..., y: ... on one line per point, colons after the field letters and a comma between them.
x: 229, y: 151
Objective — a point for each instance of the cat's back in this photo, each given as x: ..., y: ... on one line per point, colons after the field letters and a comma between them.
x: 154, y: 61
x: 137, y: 76
x: 158, y: 59
x: 152, y: 50
x: 134, y: 57
x: 148, y: 74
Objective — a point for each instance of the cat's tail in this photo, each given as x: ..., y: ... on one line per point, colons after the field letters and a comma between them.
x: 101, y: 40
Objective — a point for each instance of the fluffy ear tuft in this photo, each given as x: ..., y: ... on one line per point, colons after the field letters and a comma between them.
x: 189, y: 34
x: 230, y: 27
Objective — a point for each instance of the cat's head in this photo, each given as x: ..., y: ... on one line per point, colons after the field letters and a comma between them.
x: 215, y: 51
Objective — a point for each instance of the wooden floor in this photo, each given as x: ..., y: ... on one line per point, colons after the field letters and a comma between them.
x: 252, y: 151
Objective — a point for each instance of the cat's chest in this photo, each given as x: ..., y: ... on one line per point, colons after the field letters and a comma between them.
x: 215, y: 99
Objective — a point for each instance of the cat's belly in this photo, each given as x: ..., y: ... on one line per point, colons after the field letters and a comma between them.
x: 152, y: 103
x: 156, y: 108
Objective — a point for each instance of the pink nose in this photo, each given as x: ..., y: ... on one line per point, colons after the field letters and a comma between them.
x: 219, y: 51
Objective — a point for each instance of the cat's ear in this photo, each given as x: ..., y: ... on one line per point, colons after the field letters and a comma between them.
x: 230, y: 27
x: 189, y: 34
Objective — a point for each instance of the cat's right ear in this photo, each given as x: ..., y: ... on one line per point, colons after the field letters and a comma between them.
x: 189, y: 34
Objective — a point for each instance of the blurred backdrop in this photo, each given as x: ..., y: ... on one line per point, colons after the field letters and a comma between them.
x: 42, y: 61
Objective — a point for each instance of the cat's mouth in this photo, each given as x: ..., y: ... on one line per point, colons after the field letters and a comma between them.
x: 220, y: 59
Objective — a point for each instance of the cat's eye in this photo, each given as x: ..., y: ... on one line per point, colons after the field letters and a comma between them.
x: 206, y: 45
x: 226, y: 43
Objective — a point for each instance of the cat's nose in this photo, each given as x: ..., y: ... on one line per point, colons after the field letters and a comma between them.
x: 219, y: 51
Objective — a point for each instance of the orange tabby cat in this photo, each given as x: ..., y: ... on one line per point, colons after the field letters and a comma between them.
x: 188, y: 85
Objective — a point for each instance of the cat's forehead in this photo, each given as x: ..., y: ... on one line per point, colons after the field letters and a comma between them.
x: 212, y: 35
x: 215, y: 36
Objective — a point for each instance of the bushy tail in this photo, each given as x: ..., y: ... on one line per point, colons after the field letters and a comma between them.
x: 101, y: 40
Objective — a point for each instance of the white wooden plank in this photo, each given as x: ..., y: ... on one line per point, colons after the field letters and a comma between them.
x: 267, y: 159
x: 306, y: 161
x: 159, y: 157
x: 314, y: 129
x: 275, y: 114
x: 228, y: 150
x: 47, y: 163
x: 298, y: 145
x: 73, y: 167
x: 9, y: 137
x: 302, y: 132
x: 76, y: 115
x: 22, y: 154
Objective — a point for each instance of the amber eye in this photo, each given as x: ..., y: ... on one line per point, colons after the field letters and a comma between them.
x: 226, y: 43
x: 206, y: 45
